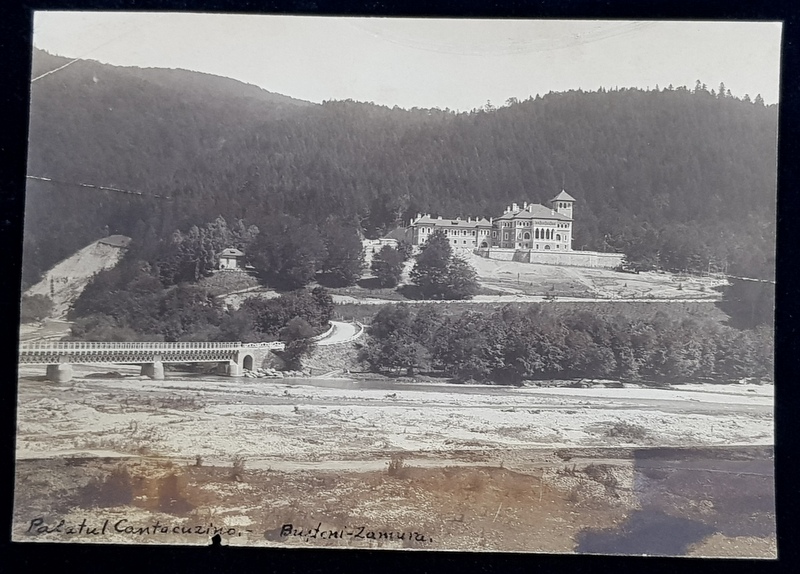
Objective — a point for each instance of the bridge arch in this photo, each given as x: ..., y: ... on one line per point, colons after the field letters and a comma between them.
x: 247, y: 362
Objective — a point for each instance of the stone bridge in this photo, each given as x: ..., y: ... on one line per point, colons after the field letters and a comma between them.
x: 231, y: 358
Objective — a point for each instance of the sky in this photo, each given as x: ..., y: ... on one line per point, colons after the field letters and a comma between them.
x: 426, y: 63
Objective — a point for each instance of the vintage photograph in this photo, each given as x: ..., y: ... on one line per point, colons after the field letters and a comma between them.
x: 399, y: 283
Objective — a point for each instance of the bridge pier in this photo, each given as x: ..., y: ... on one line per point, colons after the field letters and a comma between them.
x: 154, y: 370
x: 60, y: 373
x: 230, y: 369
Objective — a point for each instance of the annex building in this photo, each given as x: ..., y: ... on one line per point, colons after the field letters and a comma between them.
x: 470, y: 233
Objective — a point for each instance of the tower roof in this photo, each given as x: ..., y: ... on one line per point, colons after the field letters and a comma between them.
x: 563, y: 196
x: 533, y: 211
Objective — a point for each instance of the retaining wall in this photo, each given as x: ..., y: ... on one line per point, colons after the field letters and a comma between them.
x: 565, y: 258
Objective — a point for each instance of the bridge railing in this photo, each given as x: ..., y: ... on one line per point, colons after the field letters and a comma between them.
x: 269, y: 345
x: 88, y: 346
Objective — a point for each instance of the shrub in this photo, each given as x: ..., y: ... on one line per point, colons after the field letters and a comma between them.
x: 396, y: 465
x: 34, y: 308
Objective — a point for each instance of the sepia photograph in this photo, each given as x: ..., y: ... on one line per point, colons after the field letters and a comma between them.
x: 477, y: 285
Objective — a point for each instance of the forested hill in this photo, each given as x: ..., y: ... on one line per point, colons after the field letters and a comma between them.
x: 682, y: 164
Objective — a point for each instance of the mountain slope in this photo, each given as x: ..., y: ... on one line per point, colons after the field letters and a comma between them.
x: 661, y: 161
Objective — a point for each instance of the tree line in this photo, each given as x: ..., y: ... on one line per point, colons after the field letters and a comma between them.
x: 284, y: 251
x: 512, y: 345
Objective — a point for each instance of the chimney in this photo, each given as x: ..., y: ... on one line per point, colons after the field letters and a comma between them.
x: 508, y: 209
x: 515, y: 207
x: 552, y: 212
x: 530, y: 208
x: 419, y: 215
x: 525, y: 205
x: 440, y: 218
x: 469, y: 219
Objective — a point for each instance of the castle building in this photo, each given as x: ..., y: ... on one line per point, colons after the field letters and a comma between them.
x: 531, y: 226
x: 536, y: 227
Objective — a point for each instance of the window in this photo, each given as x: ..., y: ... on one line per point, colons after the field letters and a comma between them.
x: 558, y: 237
x: 527, y: 235
x: 505, y: 236
x: 537, y: 233
x: 494, y: 234
x: 547, y: 247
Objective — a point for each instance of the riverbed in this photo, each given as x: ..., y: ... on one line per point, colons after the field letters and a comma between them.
x: 596, y: 460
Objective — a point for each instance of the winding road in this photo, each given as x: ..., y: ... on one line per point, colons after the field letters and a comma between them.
x: 342, y: 333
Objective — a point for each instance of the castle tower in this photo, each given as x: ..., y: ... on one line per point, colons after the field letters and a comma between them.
x: 562, y: 203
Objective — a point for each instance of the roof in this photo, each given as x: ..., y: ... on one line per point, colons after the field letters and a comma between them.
x: 116, y: 241
x: 397, y: 234
x: 534, y: 211
x: 454, y: 223
x: 231, y: 252
x: 563, y: 196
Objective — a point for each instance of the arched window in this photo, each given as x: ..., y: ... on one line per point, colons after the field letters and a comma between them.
x: 537, y: 234
x: 547, y: 247
x: 527, y: 235
x: 558, y: 237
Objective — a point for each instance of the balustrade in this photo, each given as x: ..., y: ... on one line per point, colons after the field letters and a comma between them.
x: 123, y: 349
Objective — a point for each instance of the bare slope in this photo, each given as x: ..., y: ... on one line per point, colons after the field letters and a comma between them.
x: 66, y: 281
